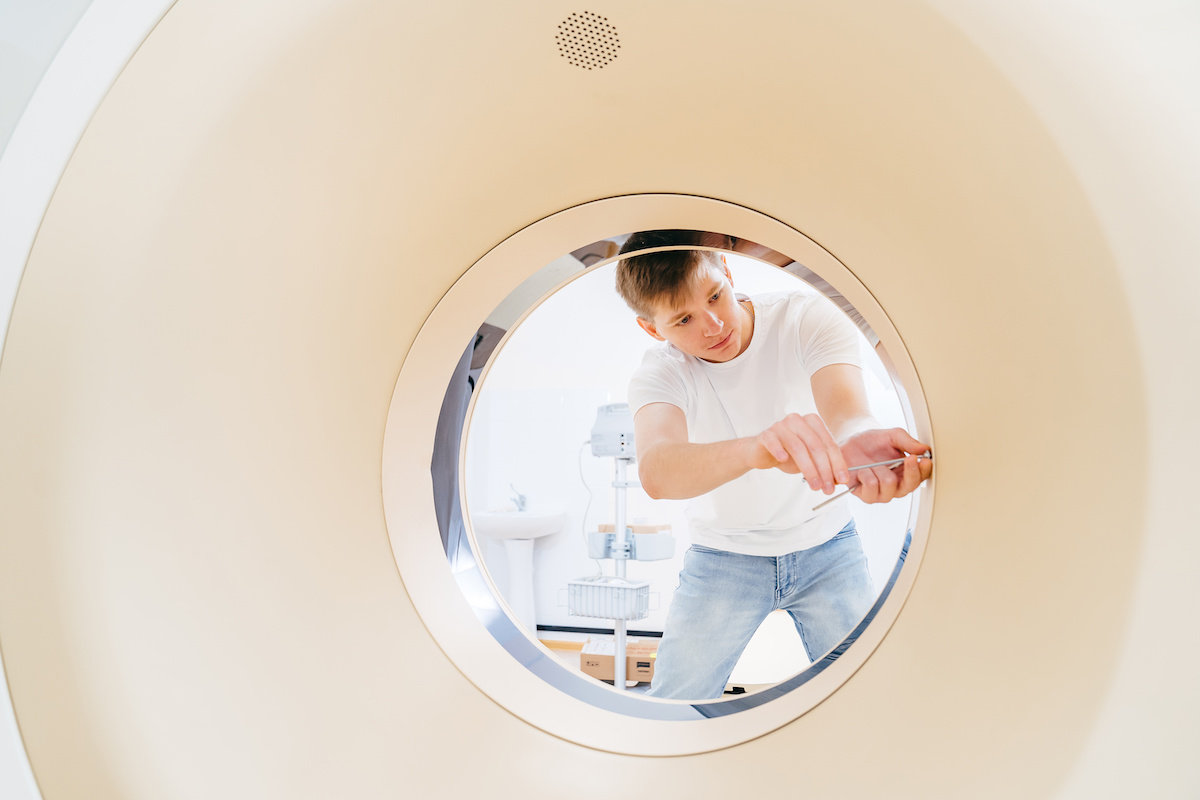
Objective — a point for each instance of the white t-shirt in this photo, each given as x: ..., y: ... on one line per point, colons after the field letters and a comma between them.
x: 764, y: 512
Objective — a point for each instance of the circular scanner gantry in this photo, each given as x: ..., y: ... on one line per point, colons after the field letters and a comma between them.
x: 281, y: 213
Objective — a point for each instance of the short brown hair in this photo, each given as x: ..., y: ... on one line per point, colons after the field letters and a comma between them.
x: 647, y: 279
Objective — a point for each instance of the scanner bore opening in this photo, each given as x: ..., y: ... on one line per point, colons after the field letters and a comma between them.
x: 463, y: 547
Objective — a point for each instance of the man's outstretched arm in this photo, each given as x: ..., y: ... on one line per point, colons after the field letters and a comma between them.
x: 670, y: 466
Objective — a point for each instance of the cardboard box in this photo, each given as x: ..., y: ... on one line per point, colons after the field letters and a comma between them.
x: 597, y: 658
x: 611, y: 527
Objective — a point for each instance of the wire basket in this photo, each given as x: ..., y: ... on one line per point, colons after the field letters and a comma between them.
x: 608, y: 598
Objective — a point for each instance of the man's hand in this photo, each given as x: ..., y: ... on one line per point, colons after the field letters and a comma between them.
x: 802, y: 444
x: 881, y: 484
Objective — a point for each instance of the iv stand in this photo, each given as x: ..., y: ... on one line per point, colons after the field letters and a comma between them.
x: 620, y: 554
x: 612, y: 435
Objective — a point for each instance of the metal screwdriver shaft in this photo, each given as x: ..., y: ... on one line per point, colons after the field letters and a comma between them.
x: 890, y: 464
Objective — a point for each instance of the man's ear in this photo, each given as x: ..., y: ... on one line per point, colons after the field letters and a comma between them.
x: 650, y: 328
x: 725, y: 269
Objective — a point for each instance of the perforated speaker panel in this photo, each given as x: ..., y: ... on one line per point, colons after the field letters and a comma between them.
x: 588, y: 40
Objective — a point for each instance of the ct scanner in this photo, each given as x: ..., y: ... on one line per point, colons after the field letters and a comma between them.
x: 227, y: 225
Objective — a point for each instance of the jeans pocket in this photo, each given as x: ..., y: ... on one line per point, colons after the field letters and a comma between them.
x: 845, y: 533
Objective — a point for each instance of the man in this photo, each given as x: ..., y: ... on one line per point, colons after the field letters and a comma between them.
x: 754, y: 408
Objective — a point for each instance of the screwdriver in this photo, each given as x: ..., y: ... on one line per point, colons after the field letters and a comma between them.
x: 890, y: 464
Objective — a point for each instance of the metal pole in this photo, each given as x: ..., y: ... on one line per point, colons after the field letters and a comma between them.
x: 619, y: 541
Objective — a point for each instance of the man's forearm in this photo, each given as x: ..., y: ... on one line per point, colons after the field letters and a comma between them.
x: 681, y: 470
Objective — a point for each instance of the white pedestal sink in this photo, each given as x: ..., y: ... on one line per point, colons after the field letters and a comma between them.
x: 518, y: 529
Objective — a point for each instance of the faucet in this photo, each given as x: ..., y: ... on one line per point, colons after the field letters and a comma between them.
x: 519, y: 499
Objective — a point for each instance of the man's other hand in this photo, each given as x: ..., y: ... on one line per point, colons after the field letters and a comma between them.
x: 881, y: 484
x: 802, y: 444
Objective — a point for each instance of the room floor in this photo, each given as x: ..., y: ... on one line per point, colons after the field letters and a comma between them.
x: 774, y: 654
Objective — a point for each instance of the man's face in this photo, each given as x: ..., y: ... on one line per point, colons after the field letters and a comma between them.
x: 708, y: 323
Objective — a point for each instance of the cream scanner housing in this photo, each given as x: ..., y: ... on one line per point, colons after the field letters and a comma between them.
x: 199, y: 590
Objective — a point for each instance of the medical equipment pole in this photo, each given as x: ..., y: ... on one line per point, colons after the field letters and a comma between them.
x: 612, y: 435
x: 620, y: 551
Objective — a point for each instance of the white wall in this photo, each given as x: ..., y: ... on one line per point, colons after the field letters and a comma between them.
x: 536, y: 409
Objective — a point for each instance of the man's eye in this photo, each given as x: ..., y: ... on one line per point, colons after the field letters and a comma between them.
x: 715, y: 296
x: 683, y: 321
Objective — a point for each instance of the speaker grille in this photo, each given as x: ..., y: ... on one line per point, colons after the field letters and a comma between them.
x: 587, y: 40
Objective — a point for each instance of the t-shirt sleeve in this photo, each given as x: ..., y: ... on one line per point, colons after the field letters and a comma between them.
x: 826, y: 335
x: 657, y: 380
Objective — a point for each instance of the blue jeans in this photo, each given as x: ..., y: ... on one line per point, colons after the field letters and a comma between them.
x: 723, y: 597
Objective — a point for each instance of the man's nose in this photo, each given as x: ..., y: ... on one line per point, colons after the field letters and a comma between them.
x: 713, y: 324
